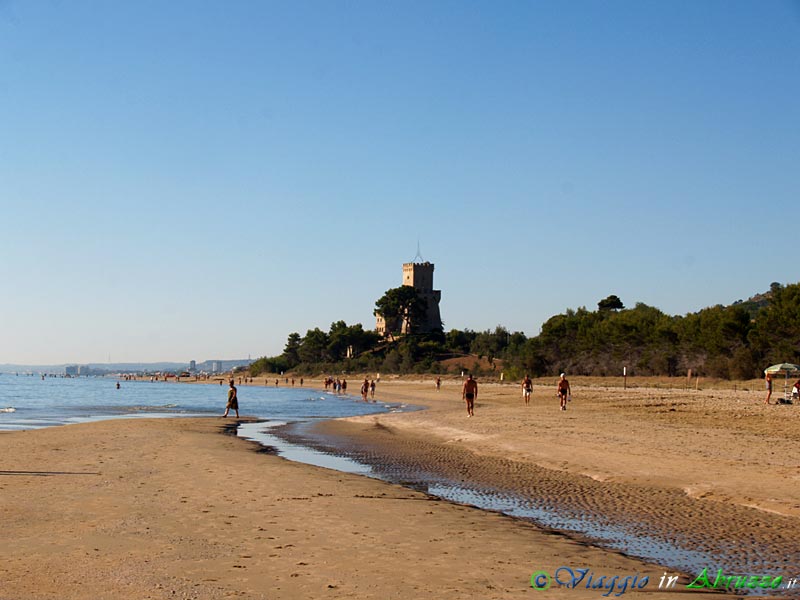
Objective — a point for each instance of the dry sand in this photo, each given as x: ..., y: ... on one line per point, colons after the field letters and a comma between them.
x: 171, y: 508
x: 721, y: 445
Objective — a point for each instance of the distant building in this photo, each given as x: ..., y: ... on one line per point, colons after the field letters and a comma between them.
x: 71, y: 370
x: 84, y: 370
x: 216, y: 366
x: 420, y: 277
x: 192, y: 366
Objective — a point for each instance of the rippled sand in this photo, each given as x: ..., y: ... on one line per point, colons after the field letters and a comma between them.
x: 170, y: 508
x: 693, y: 477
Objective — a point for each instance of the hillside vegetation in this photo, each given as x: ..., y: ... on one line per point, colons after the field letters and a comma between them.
x: 729, y: 342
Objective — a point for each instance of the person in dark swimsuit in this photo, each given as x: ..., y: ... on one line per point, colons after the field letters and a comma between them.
x: 233, y: 401
x: 469, y: 393
x: 365, y: 389
x: 563, y: 391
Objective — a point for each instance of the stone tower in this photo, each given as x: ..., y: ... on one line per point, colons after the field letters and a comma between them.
x: 419, y: 275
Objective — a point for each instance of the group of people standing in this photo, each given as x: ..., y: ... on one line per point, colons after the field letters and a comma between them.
x: 339, y: 386
x: 469, y: 392
x: 368, y: 388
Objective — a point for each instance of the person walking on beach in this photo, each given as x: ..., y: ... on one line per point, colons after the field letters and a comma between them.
x: 564, y: 391
x: 233, y: 401
x: 469, y: 393
x: 527, y: 389
x: 768, y: 383
x: 364, y: 389
x: 372, y: 389
x: 438, y: 383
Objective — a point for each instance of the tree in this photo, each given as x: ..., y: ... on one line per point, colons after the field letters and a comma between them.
x: 338, y: 340
x: 275, y: 364
x: 290, y: 352
x: 342, y: 337
x: 611, y: 303
x: 489, y: 344
x: 775, y: 335
x: 314, y: 348
x: 401, y: 308
x: 459, y: 341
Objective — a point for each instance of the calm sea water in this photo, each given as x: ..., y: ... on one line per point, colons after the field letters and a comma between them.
x: 51, y: 401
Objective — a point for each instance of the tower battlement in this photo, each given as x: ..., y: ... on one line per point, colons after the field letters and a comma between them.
x: 419, y: 275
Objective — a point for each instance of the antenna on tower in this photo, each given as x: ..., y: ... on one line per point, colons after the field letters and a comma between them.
x: 419, y: 254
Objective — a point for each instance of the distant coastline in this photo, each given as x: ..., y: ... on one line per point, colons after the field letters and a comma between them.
x: 124, y: 367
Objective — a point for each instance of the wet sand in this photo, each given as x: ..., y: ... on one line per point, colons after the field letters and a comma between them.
x: 172, y: 508
x: 714, y: 472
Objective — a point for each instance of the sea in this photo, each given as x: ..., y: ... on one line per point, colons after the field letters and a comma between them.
x: 31, y: 402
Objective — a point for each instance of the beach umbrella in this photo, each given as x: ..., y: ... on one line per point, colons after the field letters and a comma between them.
x: 785, y: 369
x: 782, y: 369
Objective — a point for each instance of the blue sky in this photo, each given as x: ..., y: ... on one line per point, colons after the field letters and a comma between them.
x: 196, y: 180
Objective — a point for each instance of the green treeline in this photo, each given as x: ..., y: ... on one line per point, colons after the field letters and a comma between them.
x: 735, y: 342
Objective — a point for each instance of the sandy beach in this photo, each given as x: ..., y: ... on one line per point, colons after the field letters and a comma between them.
x: 175, y: 508
x: 716, y: 467
x: 718, y: 444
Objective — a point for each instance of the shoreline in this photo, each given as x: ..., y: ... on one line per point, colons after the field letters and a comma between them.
x: 715, y: 468
x: 171, y: 508
x: 653, y: 440
x: 640, y: 520
x: 720, y: 445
